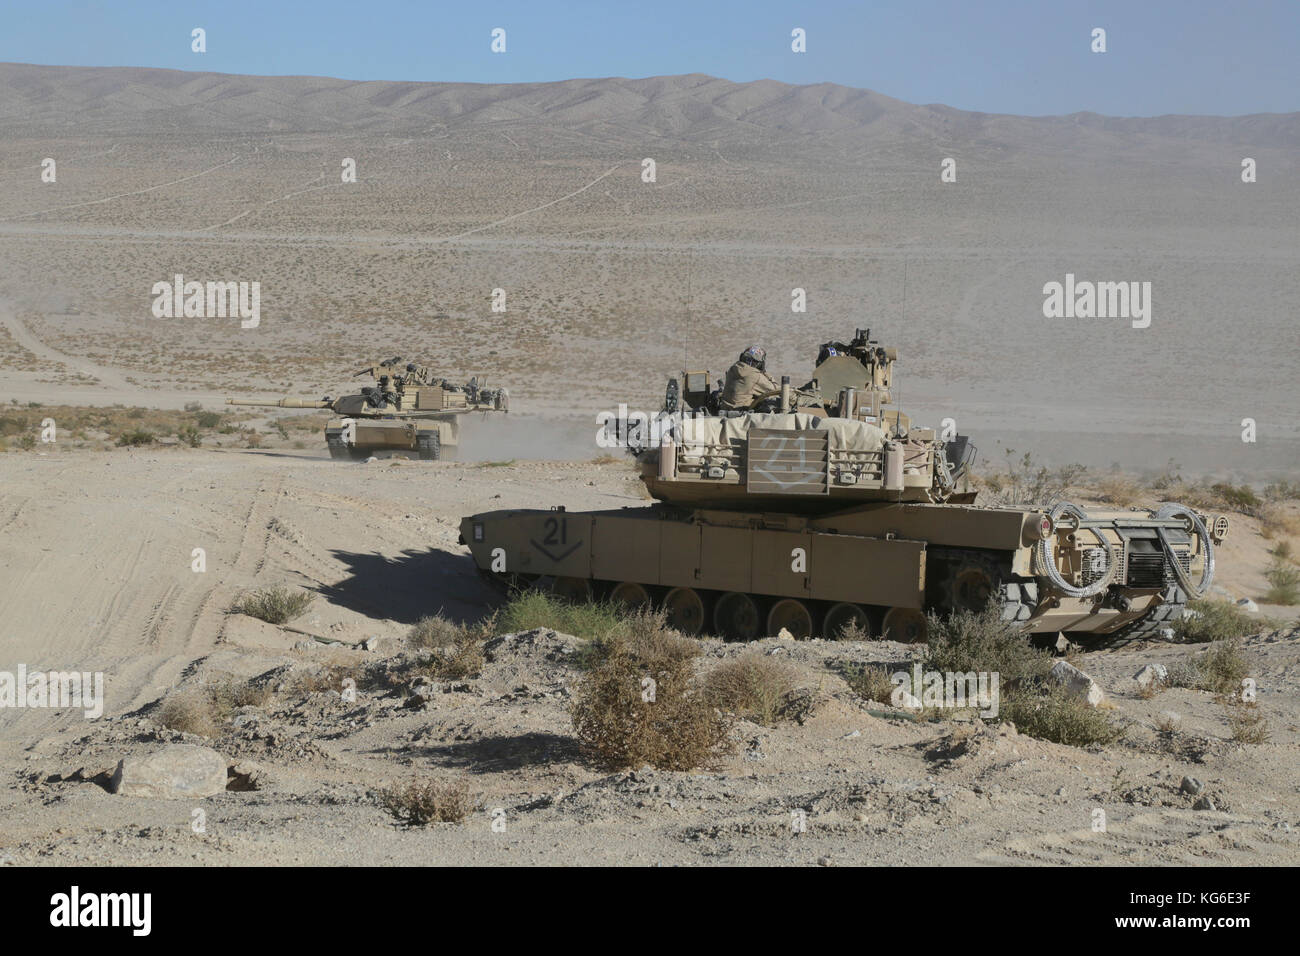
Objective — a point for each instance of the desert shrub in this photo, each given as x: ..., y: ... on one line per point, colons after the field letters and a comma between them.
x: 1027, y: 483
x: 457, y: 649
x: 1215, y: 621
x: 1245, y: 721
x: 207, y: 419
x: 328, y: 676
x: 204, y: 709
x: 1116, y: 489
x: 26, y: 441
x: 1283, y: 577
x: 462, y: 658
x: 281, y: 430
x: 982, y: 641
x: 754, y: 686
x: 135, y: 413
x: 1278, y: 520
x: 593, y: 620
x: 1059, y: 717
x: 869, y: 681
x: 193, y: 406
x: 137, y: 436
x: 1223, y: 496
x: 1168, y: 723
x: 638, y: 704
x: 1219, y: 669
x: 275, y: 605
x: 853, y: 631
x: 252, y: 438
x: 1282, y: 491
x: 421, y: 802
x: 432, y: 631
x: 190, y: 435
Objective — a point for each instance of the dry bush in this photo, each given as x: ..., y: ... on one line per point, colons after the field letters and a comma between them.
x: 204, y: 709
x: 1116, y: 489
x: 853, y: 631
x: 462, y: 659
x: 869, y: 681
x: 753, y: 686
x: 432, y: 631
x: 329, y: 676
x: 1153, y: 688
x: 593, y: 620
x: 1219, y: 669
x: 433, y: 800
x: 637, y: 704
x: 1168, y: 723
x: 1278, y: 521
x: 457, y: 649
x: 134, y: 438
x: 1215, y: 621
x: 1247, y: 724
x: 1283, y: 491
x: 1224, y: 496
x: 275, y: 605
x: 981, y: 641
x: 1060, y: 718
x: 1282, y: 576
x: 1027, y: 483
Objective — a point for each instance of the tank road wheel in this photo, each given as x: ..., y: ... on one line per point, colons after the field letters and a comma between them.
x: 736, y: 617
x: 844, y: 615
x: 685, y: 610
x: 792, y: 615
x: 576, y: 590
x: 904, y: 624
x: 429, y: 445
x: 631, y: 594
x: 972, y: 586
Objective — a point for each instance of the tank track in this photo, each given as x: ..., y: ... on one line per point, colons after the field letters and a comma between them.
x: 1164, y: 615
x: 429, y: 445
x: 340, y: 450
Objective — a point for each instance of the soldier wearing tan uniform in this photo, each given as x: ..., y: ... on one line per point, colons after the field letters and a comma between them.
x: 747, y: 381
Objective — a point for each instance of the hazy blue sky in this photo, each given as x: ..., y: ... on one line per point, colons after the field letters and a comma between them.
x: 1007, y: 56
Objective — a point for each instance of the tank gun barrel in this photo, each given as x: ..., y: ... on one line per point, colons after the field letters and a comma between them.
x: 279, y: 402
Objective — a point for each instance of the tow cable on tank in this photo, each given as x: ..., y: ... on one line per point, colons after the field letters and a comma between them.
x: 1049, y: 566
x: 1207, y: 576
x: 1194, y: 590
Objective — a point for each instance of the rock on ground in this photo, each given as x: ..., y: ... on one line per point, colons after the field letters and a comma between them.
x: 1076, y: 683
x: 179, y: 770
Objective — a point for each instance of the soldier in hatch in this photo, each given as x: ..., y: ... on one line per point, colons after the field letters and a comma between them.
x: 747, y: 381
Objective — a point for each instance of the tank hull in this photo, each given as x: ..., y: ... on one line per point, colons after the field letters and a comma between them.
x: 428, y: 439
x: 883, y: 565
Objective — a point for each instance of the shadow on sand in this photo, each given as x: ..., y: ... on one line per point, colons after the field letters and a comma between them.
x: 407, y: 587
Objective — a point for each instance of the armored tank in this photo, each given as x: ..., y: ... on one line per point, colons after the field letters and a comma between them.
x: 823, y: 507
x: 407, y: 411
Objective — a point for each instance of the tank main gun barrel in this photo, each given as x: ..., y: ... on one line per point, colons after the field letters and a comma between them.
x: 279, y: 403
